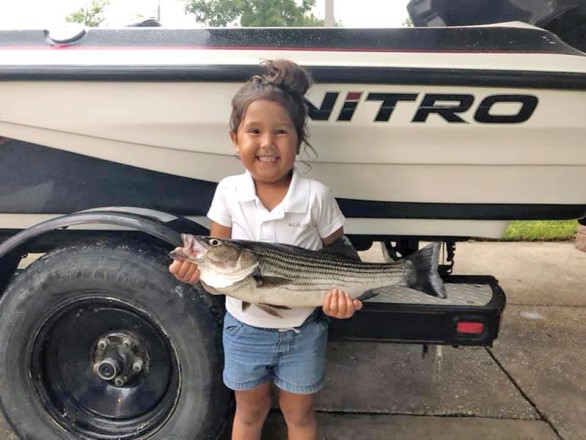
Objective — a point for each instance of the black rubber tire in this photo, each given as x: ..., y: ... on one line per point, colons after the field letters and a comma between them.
x: 136, y: 274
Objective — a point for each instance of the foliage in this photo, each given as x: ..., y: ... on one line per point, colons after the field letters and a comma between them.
x: 253, y: 13
x: 91, y: 16
x: 541, y: 230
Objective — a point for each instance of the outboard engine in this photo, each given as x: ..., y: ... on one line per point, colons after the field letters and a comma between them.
x: 565, y: 18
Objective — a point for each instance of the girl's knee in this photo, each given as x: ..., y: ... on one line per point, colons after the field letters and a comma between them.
x: 252, y: 407
x: 299, y: 417
x: 298, y: 411
x: 251, y: 414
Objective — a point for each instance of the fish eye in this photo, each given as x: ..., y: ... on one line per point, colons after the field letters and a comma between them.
x: 214, y: 242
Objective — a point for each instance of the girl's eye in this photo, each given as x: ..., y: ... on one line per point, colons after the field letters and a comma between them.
x: 254, y: 131
x: 214, y: 242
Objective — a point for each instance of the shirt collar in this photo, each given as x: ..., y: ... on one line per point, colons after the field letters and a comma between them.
x: 246, y: 191
x: 297, y: 197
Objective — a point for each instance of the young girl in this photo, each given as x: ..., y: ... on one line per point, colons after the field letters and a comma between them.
x: 273, y: 202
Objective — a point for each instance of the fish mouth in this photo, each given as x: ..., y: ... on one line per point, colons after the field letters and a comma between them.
x: 197, y: 246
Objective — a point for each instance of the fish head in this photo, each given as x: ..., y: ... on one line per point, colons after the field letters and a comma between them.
x: 225, y: 256
x: 221, y: 262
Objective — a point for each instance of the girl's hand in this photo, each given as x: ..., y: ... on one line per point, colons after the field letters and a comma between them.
x: 338, y: 304
x: 185, y: 271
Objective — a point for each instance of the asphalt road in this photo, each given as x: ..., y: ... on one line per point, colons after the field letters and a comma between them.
x: 530, y: 385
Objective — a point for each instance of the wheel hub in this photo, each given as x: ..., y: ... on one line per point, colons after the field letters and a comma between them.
x: 119, y: 358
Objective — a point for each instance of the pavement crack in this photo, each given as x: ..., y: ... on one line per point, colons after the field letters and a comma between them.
x: 381, y: 413
x: 541, y: 414
x: 561, y: 306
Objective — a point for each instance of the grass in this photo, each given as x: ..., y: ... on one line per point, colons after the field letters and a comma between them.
x: 541, y: 230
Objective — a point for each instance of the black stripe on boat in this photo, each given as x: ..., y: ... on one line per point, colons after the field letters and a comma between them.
x: 322, y: 74
x: 60, y: 182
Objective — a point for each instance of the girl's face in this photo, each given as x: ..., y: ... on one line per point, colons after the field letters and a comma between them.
x: 266, y: 142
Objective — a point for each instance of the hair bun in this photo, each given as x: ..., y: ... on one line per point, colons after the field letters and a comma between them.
x: 286, y: 75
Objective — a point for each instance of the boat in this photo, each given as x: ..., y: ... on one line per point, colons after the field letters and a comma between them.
x: 420, y: 132
x: 428, y: 132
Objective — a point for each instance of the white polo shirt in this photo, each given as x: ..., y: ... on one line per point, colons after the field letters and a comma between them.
x: 307, y: 214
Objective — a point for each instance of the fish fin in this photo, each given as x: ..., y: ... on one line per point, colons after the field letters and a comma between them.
x: 245, y: 305
x: 276, y: 307
x: 341, y: 247
x: 210, y: 289
x: 269, y: 309
x: 367, y: 295
x: 421, y: 271
x: 270, y: 281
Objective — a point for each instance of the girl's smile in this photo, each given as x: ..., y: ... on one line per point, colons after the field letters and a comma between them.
x: 268, y: 158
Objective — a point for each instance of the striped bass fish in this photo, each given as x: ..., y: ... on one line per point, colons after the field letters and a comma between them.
x: 278, y: 276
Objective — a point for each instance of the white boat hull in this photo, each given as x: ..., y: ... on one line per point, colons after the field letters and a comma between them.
x: 182, y: 129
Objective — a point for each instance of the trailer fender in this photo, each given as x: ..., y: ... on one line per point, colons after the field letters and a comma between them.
x: 161, y: 225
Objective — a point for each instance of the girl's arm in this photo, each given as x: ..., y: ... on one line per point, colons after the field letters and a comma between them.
x: 187, y: 271
x: 333, y: 237
x: 219, y: 231
x: 337, y: 303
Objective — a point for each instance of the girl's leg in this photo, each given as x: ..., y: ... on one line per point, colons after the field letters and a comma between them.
x: 252, y: 407
x: 299, y: 413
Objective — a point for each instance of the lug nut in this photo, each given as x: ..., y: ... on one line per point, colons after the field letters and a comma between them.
x: 118, y: 381
x: 103, y: 343
x: 137, y: 365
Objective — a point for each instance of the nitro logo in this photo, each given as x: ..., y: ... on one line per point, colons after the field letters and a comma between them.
x: 447, y: 106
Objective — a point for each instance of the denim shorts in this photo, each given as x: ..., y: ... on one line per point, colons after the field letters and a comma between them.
x: 294, y: 359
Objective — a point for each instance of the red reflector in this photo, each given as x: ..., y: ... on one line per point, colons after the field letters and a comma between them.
x: 470, y: 327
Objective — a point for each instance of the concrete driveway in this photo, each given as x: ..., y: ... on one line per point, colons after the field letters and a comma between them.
x: 530, y: 385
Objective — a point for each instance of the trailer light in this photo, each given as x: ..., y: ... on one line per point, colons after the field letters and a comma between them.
x: 470, y: 327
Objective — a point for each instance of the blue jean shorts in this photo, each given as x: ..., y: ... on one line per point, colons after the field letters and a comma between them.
x: 294, y: 359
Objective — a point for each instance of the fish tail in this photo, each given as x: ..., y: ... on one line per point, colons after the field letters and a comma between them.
x: 421, y: 271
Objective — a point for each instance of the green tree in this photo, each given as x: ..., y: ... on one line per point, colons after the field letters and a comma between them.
x: 259, y: 13
x: 92, y: 15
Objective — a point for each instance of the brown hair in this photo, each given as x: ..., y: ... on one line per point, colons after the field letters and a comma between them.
x: 284, y: 83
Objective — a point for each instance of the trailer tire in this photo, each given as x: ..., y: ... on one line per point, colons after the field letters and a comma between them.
x: 100, y: 341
